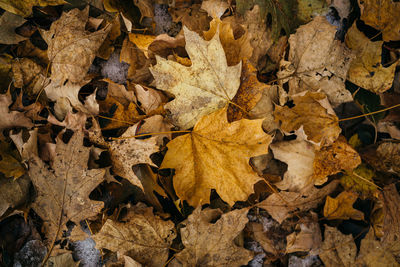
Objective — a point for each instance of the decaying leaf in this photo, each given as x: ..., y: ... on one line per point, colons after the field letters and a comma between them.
x: 8, y: 23
x: 141, y: 235
x: 156, y: 124
x: 28, y: 75
x: 9, y: 118
x: 383, y: 16
x: 311, y: 119
x: 191, y: 17
x: 317, y: 62
x: 199, y: 233
x: 142, y: 41
x: 366, y: 70
x: 360, y: 181
x: 24, y: 7
x: 201, y: 88
x: 10, y: 166
x: 215, y: 8
x: 120, y: 115
x: 262, y: 237
x: 215, y: 155
x: 63, y: 189
x: 13, y: 192
x: 387, y: 157
x: 282, y: 205
x: 333, y: 159
x: 341, y: 207
x: 149, y: 98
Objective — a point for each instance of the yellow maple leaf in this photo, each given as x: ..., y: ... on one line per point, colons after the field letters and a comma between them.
x: 215, y: 155
x: 341, y: 207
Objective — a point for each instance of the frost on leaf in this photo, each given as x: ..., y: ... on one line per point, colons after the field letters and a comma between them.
x: 199, y: 233
x: 141, y: 235
x: 215, y: 155
x: 205, y: 86
x: 63, y: 188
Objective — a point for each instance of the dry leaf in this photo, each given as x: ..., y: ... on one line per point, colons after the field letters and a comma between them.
x: 120, y: 93
x: 191, y: 17
x: 262, y: 237
x: 132, y: 55
x: 338, y: 249
x: 282, y: 205
x: 146, y: 8
x: 28, y: 75
x: 341, y: 207
x: 333, y: 159
x: 360, y: 180
x: 387, y: 158
x: 10, y: 164
x: 8, y: 23
x: 156, y: 124
x: 202, y: 88
x: 383, y: 15
x: 10, y: 119
x: 312, y: 119
x: 391, y: 221
x: 215, y: 155
x: 215, y: 8
x: 120, y: 115
x: 24, y: 7
x: 248, y: 95
x: 141, y: 235
x: 128, y: 151
x: 149, y: 98
x: 317, y: 62
x: 142, y: 41
x: 63, y: 189
x: 65, y: 259
x: 199, y: 233
x: 107, y: 47
x: 366, y: 70
x: 26, y: 147
x: 13, y: 193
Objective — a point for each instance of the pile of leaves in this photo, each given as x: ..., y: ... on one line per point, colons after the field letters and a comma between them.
x: 199, y: 133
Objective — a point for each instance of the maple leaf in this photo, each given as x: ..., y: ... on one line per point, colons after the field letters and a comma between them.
x: 10, y: 119
x: 24, y: 7
x: 312, y: 119
x: 141, y: 235
x: 200, y: 232
x: 366, y: 70
x: 63, y: 191
x: 215, y: 155
x: 201, y: 88
x: 317, y: 62
x: 341, y: 207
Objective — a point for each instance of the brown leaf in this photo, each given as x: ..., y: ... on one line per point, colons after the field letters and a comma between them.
x: 333, y: 159
x: 13, y: 193
x: 28, y: 75
x: 141, y: 235
x: 24, y: 7
x: 262, y: 237
x: 149, y: 98
x: 385, y: 158
x: 215, y: 155
x: 282, y: 205
x: 341, y: 207
x: 121, y: 116
x: 199, y: 233
x: 63, y: 188
x: 146, y: 8
x: 10, y: 119
x: 10, y: 164
x: 8, y: 23
x: 312, y: 119
x: 215, y: 8
x: 191, y: 17
x: 157, y: 124
x: 391, y: 222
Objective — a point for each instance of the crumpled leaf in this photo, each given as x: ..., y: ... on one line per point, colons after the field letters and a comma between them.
x: 8, y: 23
x: 28, y: 75
x: 282, y: 205
x: 360, y: 181
x: 317, y: 62
x: 10, y: 119
x: 341, y: 207
x: 387, y: 157
x: 128, y: 151
x: 13, y: 192
x: 366, y: 70
x: 202, y: 88
x: 383, y: 15
x: 299, y: 156
x: 149, y: 98
x: 141, y: 235
x: 215, y: 155
x: 338, y: 249
x: 333, y: 159
x: 146, y: 8
x: 24, y: 7
x: 200, y: 232
x: 312, y: 119
x: 63, y: 189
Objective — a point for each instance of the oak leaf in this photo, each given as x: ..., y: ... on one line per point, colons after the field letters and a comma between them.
x: 215, y: 155
x: 312, y: 119
x: 366, y: 70
x: 200, y: 232
x: 63, y: 189
x: 141, y: 235
x: 341, y: 207
x: 201, y: 88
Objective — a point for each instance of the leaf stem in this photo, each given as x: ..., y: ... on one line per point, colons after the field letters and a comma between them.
x: 370, y: 113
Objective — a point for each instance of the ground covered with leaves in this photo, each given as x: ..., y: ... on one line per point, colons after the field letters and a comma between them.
x: 199, y: 133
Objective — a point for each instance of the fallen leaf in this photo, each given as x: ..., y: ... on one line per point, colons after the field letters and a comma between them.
x: 191, y: 17
x: 141, y: 235
x: 10, y: 119
x: 248, y: 95
x: 28, y: 75
x: 63, y: 189
x: 149, y: 98
x: 142, y: 41
x: 283, y: 205
x: 199, y: 233
x: 120, y: 93
x: 312, y: 119
x: 8, y: 23
x: 24, y: 7
x: 156, y: 124
x: 215, y: 8
x: 299, y: 156
x: 72, y: 121
x: 366, y: 70
x: 262, y: 237
x: 10, y: 166
x: 146, y: 8
x: 317, y: 62
x: 360, y: 181
x: 338, y: 249
x: 27, y: 147
x: 341, y: 207
x: 391, y: 221
x: 202, y: 88
x: 333, y: 159
x: 383, y: 16
x: 13, y: 193
x: 107, y: 47
x: 132, y: 55
x: 387, y: 157
x: 120, y: 115
x: 127, y: 152
x: 65, y: 259
x: 215, y: 155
